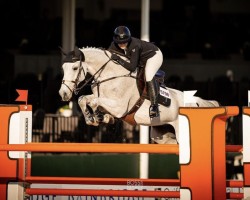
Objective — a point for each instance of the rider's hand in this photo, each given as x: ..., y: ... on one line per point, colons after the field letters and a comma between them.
x: 115, y: 57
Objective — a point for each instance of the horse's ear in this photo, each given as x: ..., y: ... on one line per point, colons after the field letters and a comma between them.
x: 79, y: 53
x: 64, y: 53
x: 76, y: 49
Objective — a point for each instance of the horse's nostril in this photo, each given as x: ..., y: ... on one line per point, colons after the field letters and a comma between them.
x: 64, y: 95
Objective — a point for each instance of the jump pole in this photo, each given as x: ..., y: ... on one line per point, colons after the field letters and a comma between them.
x: 116, y: 193
x: 101, y: 148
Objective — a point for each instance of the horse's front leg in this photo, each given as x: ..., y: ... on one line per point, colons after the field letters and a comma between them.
x: 100, y: 114
x: 103, y: 117
x: 87, y: 112
x: 92, y: 112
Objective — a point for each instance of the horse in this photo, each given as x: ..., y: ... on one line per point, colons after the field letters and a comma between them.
x: 116, y: 94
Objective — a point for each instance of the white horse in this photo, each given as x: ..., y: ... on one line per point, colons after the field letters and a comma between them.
x: 116, y: 94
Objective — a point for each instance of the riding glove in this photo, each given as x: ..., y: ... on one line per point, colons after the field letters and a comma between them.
x: 115, y: 57
x: 122, y: 62
x: 118, y: 59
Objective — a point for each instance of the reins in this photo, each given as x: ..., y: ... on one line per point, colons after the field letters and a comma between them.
x: 77, y: 90
x: 97, y: 83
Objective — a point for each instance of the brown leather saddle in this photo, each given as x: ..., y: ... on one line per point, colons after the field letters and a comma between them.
x: 163, y: 97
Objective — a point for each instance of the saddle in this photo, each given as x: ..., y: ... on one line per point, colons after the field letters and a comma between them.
x: 163, y: 94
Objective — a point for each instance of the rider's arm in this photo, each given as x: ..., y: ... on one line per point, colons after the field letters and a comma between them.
x: 134, y: 60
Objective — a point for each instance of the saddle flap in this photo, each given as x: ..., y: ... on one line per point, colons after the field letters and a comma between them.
x: 164, y: 96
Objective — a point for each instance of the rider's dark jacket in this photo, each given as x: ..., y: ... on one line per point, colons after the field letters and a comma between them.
x: 138, y: 52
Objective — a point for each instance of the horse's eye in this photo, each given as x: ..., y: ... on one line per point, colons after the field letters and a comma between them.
x: 75, y: 68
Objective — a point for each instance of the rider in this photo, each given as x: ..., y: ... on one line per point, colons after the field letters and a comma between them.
x: 141, y: 53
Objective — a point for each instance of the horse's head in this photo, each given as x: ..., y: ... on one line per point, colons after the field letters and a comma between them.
x: 73, y: 68
x: 89, y: 60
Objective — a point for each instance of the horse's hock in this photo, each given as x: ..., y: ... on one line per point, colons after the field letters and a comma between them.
x: 202, y: 159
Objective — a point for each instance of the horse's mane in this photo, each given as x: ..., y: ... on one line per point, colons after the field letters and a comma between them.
x: 102, y: 50
x: 93, y: 49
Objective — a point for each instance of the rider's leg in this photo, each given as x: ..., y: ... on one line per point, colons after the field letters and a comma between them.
x: 152, y: 66
x: 152, y: 89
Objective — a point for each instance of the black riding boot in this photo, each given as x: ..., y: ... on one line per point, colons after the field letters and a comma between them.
x: 152, y: 90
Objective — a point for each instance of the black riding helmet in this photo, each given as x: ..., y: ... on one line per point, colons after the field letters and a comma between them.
x: 122, y: 35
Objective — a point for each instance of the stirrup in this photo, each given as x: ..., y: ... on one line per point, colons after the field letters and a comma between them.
x: 153, y: 111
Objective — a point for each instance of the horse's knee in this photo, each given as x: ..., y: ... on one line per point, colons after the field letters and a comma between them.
x: 82, y: 102
x: 93, y: 103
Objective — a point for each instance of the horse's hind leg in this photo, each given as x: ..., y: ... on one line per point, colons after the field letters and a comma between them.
x: 164, y: 134
x: 206, y: 103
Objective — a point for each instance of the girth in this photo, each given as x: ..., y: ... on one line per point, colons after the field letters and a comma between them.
x: 129, y: 118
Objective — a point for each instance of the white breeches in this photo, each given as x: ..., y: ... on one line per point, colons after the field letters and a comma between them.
x: 152, y: 65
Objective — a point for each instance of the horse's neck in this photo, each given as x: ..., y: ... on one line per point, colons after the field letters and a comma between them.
x: 112, y: 77
x: 97, y: 58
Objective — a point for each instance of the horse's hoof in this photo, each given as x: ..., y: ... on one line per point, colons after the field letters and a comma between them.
x: 89, y: 120
x: 108, y: 119
x: 99, y: 118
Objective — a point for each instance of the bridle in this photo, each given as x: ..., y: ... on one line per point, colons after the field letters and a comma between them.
x: 76, y: 89
x: 76, y: 81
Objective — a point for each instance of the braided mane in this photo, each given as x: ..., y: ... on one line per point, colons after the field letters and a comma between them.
x: 92, y: 49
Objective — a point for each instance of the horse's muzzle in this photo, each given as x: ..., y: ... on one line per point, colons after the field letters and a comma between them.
x: 64, y: 95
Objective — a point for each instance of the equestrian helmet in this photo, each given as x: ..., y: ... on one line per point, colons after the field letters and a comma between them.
x: 122, y: 35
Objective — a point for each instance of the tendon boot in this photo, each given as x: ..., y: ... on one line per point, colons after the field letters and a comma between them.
x: 152, y: 89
